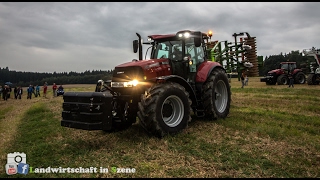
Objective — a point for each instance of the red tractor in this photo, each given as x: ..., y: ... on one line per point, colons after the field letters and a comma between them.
x: 280, y: 76
x: 161, y: 91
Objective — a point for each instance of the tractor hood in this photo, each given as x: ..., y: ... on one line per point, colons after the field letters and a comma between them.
x: 275, y: 71
x: 145, y: 64
x: 142, y: 70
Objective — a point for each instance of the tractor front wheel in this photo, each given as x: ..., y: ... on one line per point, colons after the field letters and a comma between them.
x: 282, y: 80
x: 164, y: 109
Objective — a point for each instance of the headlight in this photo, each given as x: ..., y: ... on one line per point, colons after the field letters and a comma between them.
x: 131, y: 83
x: 125, y: 84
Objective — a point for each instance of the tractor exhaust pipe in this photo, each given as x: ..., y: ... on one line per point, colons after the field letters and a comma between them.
x: 139, y: 46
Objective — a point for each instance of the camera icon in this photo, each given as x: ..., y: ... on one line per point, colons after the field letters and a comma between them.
x: 16, y: 158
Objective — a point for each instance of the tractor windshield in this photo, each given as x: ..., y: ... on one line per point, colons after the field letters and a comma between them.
x: 177, y: 50
x: 288, y: 66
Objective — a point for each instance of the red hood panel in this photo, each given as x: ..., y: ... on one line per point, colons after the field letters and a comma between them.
x: 152, y: 68
x: 274, y: 71
x: 143, y: 63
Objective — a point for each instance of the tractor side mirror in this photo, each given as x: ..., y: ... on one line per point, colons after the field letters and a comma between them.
x: 135, y: 46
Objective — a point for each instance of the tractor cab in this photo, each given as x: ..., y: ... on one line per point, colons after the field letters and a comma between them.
x: 183, y: 50
x: 288, y: 66
x: 183, y: 55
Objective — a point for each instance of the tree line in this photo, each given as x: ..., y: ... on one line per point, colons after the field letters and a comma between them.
x: 24, y: 79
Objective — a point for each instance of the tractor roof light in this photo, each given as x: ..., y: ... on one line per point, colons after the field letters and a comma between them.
x: 184, y: 35
x: 210, y: 34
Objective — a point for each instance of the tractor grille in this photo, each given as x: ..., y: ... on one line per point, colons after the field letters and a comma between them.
x: 121, y: 74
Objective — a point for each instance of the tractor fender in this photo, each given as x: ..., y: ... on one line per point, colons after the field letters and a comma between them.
x: 182, y: 82
x: 205, y: 69
x: 295, y: 71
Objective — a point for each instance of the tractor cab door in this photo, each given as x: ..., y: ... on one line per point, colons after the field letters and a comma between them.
x: 180, y: 66
x: 173, y: 50
x: 292, y: 67
x: 196, y: 57
x: 186, y: 57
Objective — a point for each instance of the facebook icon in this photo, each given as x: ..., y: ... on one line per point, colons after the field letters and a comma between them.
x: 23, y: 168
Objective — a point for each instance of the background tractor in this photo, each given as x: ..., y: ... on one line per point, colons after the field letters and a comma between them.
x: 314, y: 75
x: 280, y: 76
x: 161, y: 91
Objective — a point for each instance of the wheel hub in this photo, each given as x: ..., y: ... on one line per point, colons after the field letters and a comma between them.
x: 221, y: 96
x: 172, y: 111
x: 167, y: 110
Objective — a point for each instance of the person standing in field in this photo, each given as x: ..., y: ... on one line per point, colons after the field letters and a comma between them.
x: 5, y: 92
x: 45, y: 87
x: 15, y: 91
x: 54, y: 89
x: 30, y: 91
x: 243, y: 75
x: 37, y: 90
x: 19, y: 92
x: 0, y: 91
x: 246, y: 79
x: 290, y: 80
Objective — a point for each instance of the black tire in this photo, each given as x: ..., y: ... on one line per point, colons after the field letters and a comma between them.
x: 216, y: 95
x: 300, y: 78
x: 311, y: 79
x: 282, y: 80
x: 164, y: 109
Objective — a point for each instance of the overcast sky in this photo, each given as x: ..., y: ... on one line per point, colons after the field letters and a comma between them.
x: 80, y: 36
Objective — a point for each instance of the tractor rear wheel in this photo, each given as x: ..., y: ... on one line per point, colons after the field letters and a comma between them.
x: 164, y: 109
x: 282, y: 80
x: 311, y: 79
x: 300, y: 78
x: 216, y: 95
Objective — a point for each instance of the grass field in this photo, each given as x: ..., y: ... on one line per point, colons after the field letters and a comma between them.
x: 271, y: 132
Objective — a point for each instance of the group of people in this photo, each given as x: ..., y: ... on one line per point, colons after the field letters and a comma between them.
x: 31, y: 90
x: 57, y: 90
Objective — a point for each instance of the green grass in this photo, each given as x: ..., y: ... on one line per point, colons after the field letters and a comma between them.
x: 4, y: 110
x: 270, y: 132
